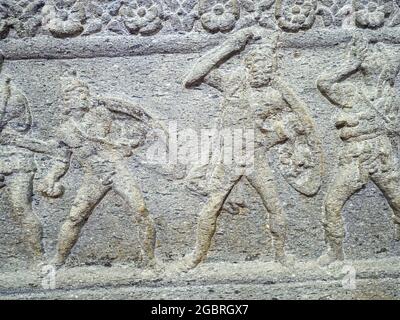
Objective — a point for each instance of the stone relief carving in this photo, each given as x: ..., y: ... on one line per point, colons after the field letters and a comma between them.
x: 372, y: 14
x: 71, y: 18
x: 101, y: 133
x: 17, y: 166
x: 258, y: 12
x: 295, y: 15
x: 367, y: 123
x: 395, y: 21
x: 249, y: 74
x: 23, y: 16
x: 17, y: 162
x: 182, y: 14
x: 64, y: 18
x: 255, y: 95
x: 141, y: 17
x: 335, y: 13
x: 219, y: 15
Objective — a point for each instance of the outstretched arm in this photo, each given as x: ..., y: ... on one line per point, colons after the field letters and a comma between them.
x: 50, y: 148
x: 212, y: 59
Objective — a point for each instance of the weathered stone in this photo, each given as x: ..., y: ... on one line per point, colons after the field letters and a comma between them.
x: 212, y: 149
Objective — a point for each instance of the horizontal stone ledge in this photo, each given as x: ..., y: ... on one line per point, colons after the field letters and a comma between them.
x: 366, y: 289
x: 120, y: 46
x: 214, y: 273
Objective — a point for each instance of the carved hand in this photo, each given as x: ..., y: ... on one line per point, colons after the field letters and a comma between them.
x: 241, y: 38
x: 358, y: 49
x: 50, y: 188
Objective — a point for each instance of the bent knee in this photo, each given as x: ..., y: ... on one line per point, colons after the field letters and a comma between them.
x: 76, y: 220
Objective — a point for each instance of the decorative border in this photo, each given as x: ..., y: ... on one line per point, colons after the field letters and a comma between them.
x: 141, y: 18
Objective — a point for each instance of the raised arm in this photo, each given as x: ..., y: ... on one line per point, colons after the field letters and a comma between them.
x: 329, y: 83
x: 217, y: 56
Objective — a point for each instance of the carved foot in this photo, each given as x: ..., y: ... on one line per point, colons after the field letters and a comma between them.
x: 57, y: 262
x: 38, y: 259
x: 287, y: 260
x: 330, y: 257
x: 155, y: 265
x: 188, y: 262
x: 37, y: 266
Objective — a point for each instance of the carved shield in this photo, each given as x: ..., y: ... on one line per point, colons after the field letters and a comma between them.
x: 300, y: 157
x: 130, y: 121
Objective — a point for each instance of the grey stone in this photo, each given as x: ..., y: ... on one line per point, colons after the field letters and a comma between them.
x: 108, y: 190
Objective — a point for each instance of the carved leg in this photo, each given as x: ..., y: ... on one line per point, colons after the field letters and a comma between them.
x: 20, y: 190
x: 262, y: 181
x: 126, y: 187
x: 89, y: 195
x: 389, y: 184
x: 206, y: 227
x: 207, y: 221
x: 348, y: 181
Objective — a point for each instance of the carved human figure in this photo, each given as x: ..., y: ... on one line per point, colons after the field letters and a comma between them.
x: 17, y: 163
x: 363, y: 88
x: 253, y: 98
x: 96, y: 140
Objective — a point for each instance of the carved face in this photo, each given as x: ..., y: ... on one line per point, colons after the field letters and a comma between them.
x: 259, y: 68
x: 76, y: 101
x: 375, y: 64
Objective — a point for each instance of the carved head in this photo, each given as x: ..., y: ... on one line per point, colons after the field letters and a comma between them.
x: 14, y: 108
x: 379, y: 65
x: 259, y: 64
x: 76, y: 96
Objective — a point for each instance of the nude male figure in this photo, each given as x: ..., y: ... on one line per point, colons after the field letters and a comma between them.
x: 253, y: 97
x: 87, y: 136
x: 367, y: 122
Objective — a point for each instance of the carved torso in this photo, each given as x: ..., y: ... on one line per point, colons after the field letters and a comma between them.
x: 14, y: 120
x: 245, y: 107
x: 365, y: 115
x: 81, y: 137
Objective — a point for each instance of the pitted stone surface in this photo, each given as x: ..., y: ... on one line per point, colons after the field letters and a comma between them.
x: 102, y: 102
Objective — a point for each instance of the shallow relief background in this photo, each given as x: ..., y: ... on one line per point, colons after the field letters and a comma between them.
x: 155, y: 83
